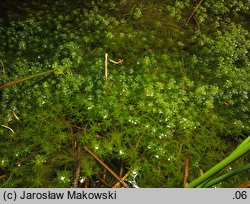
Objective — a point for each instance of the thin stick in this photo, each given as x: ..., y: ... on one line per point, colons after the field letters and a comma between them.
x: 78, y: 167
x: 106, y: 167
x: 123, y: 178
x: 106, y: 67
x: 104, y: 175
x: 15, y: 115
x: 5, y: 126
x: 186, y: 169
x: 121, y: 170
x: 193, y: 12
x: 3, y: 67
x: 120, y: 175
x: 197, y: 23
x: 105, y: 183
x: 116, y: 62
x: 17, y: 81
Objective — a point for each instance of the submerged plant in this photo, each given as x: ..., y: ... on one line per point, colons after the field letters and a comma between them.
x: 177, y: 88
x: 17, y: 81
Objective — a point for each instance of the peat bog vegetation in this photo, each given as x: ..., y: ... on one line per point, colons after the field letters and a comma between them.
x: 173, y: 103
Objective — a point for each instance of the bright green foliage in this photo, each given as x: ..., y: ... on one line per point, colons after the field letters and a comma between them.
x: 205, y: 179
x: 180, y: 88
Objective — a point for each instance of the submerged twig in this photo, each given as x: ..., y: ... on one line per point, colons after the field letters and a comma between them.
x: 15, y: 115
x: 106, y: 67
x: 5, y: 126
x: 17, y: 81
x: 186, y: 167
x: 104, y: 174
x: 3, y: 67
x: 193, y: 12
x: 105, y: 183
x: 78, y: 167
x: 123, y: 178
x: 121, y: 170
x: 106, y: 167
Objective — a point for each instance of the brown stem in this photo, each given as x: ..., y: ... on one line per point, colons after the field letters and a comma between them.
x: 186, y: 169
x: 78, y: 167
x: 104, y: 175
x: 121, y: 170
x: 17, y: 81
x: 106, y: 67
x: 3, y: 67
x: 123, y: 178
x: 105, y: 183
x: 106, y: 167
x: 193, y: 12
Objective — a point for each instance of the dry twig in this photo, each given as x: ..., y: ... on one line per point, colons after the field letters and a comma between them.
x: 123, y: 178
x: 116, y: 62
x: 78, y: 167
x: 3, y: 67
x: 5, y: 126
x: 186, y: 169
x: 106, y: 167
x: 106, y: 67
x: 195, y: 9
x: 105, y: 183
x: 15, y: 115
